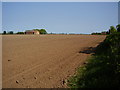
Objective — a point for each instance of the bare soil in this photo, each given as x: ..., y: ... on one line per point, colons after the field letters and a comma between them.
x: 43, y: 61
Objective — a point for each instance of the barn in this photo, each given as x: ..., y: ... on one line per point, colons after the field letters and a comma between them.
x: 31, y: 32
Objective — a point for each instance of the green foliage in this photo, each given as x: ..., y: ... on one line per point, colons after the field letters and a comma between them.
x: 103, y: 69
x: 20, y: 32
x: 41, y: 31
x: 112, y: 29
x: 4, y: 32
x: 10, y: 32
x: 118, y: 28
x: 96, y: 33
x: 36, y: 29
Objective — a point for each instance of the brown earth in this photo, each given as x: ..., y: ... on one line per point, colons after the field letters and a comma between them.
x: 43, y: 61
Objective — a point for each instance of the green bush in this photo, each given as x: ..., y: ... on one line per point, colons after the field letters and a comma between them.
x: 96, y: 33
x: 103, y: 69
x: 10, y: 32
x: 4, y: 32
x: 20, y: 33
x: 41, y: 31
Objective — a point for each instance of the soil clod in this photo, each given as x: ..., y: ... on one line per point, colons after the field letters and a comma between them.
x: 17, y: 82
x: 9, y: 60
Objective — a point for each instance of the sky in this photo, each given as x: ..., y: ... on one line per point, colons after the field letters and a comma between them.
x: 118, y: 12
x: 59, y: 0
x: 0, y: 17
x: 59, y: 17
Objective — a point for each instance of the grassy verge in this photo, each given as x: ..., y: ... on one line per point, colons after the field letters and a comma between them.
x: 102, y: 69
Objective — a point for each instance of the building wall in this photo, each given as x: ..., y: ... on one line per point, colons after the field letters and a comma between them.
x: 36, y: 32
x: 29, y: 32
x: 32, y: 32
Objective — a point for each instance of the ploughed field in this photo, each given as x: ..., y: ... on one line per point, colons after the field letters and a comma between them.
x: 43, y: 61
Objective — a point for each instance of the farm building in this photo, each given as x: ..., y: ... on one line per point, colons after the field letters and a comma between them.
x: 104, y: 33
x: 31, y: 32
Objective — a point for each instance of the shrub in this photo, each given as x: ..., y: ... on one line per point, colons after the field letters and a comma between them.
x: 20, y: 32
x: 10, y: 32
x: 4, y: 32
x: 103, y: 69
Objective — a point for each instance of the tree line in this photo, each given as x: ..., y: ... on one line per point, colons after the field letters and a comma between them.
x: 41, y: 31
x: 110, y: 31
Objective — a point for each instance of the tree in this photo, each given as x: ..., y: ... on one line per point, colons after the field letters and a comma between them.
x: 43, y: 31
x: 20, y: 32
x: 107, y: 32
x: 10, y: 32
x: 118, y: 28
x: 112, y: 29
x: 36, y: 29
x: 4, y: 32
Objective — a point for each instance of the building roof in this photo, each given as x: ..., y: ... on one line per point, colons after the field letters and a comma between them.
x: 31, y: 31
